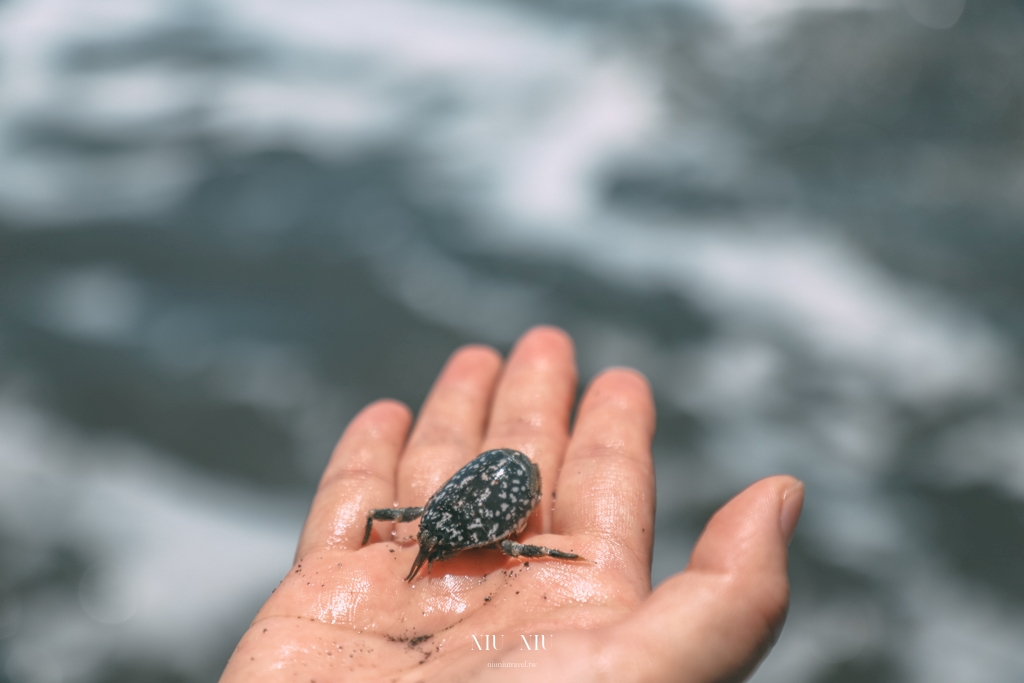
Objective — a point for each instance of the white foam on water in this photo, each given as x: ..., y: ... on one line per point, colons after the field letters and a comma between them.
x: 519, y: 110
x: 176, y: 559
x: 986, y: 450
x: 39, y: 87
x: 808, y: 286
x: 92, y: 303
x: 962, y: 634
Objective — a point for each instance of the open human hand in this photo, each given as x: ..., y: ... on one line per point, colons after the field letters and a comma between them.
x: 344, y: 612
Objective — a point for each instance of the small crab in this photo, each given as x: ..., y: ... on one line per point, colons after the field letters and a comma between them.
x: 484, y: 504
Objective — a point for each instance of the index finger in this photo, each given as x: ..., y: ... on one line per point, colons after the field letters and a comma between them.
x: 359, y: 476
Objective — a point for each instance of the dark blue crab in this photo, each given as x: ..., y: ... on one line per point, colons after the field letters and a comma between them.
x: 484, y: 504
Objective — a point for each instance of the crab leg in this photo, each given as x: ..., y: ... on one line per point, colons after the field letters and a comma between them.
x: 513, y: 549
x: 389, y: 515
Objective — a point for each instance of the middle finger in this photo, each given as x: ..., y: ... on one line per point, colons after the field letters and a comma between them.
x: 450, y: 425
x: 532, y: 407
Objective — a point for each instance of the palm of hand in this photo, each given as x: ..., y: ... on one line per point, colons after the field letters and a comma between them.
x: 353, y: 614
x: 345, y: 612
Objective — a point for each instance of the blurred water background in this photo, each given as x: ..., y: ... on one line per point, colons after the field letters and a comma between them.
x: 225, y: 225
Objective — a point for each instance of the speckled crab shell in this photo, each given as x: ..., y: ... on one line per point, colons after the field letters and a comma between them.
x: 485, y: 502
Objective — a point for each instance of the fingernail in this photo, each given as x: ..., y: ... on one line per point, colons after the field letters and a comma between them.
x: 792, y: 503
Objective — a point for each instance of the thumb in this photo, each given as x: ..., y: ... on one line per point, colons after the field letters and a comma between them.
x: 715, y: 621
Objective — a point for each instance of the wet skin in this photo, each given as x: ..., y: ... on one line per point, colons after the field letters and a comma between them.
x: 344, y: 612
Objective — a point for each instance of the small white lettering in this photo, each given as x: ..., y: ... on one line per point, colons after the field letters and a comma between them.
x: 490, y: 642
x: 539, y: 642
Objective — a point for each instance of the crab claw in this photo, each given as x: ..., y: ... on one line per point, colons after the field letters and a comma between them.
x: 421, y: 557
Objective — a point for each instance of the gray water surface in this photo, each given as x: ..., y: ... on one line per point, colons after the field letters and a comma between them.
x: 225, y: 226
